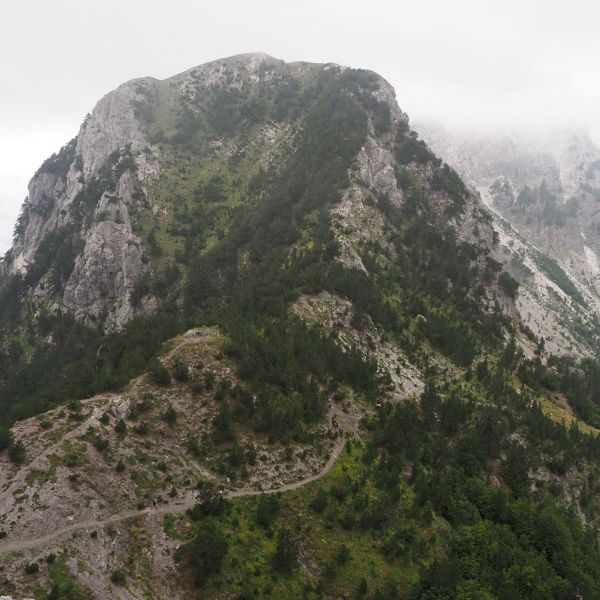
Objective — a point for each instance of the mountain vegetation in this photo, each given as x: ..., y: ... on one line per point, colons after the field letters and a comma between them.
x: 238, y: 193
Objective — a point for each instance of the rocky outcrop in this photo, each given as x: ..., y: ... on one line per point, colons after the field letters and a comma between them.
x: 547, y: 188
x: 340, y: 319
x: 50, y: 192
x: 85, y: 203
x: 113, y: 125
x: 111, y: 155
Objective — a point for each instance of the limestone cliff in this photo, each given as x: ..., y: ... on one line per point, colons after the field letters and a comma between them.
x: 88, y: 263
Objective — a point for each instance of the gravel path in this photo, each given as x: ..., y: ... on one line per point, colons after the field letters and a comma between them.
x: 174, y: 508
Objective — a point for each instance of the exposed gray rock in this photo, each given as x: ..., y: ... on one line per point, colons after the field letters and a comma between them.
x: 338, y: 316
x: 111, y: 261
x: 375, y: 167
x: 543, y: 193
x: 45, y: 210
x: 115, y: 143
x: 111, y: 258
x: 113, y: 125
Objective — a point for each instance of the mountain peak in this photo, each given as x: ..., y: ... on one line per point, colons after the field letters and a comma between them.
x: 130, y: 142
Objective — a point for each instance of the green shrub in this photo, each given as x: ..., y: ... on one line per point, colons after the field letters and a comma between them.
x: 141, y: 428
x: 17, y: 452
x: 209, y: 380
x: 285, y: 556
x: 118, y: 578
x: 6, y: 438
x: 159, y: 373
x: 320, y: 501
x: 169, y: 416
x: 180, y: 369
x: 267, y: 509
x: 206, y: 552
x: 100, y: 444
x: 508, y: 284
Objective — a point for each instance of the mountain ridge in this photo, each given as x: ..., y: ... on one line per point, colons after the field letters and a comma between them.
x: 112, y: 127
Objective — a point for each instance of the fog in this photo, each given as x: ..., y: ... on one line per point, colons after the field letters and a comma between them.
x: 471, y: 65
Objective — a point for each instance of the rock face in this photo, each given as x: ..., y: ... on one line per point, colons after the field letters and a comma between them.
x: 271, y: 195
x: 337, y: 315
x: 41, y: 498
x: 548, y: 189
x: 99, y: 258
x: 79, y: 243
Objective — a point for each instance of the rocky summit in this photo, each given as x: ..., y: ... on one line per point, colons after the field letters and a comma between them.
x: 258, y: 340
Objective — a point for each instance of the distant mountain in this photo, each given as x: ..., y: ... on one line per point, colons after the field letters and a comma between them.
x: 547, y: 188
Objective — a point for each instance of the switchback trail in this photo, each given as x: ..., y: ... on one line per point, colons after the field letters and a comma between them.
x: 175, y: 508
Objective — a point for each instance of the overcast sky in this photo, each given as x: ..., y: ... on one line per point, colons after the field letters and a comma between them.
x: 477, y: 64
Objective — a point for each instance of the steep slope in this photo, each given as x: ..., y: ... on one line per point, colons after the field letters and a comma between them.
x: 545, y: 190
x: 331, y: 273
x: 100, y: 464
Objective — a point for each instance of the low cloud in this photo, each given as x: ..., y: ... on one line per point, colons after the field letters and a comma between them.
x: 480, y: 66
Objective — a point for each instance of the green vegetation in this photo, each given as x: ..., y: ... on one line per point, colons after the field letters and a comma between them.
x: 16, y: 452
x: 276, y: 356
x: 438, y: 502
x: 456, y: 496
x: 509, y: 284
x: 546, y: 205
x: 205, y: 553
x: 61, y: 585
x: 266, y: 212
x: 578, y: 381
x: 556, y: 274
x: 59, y: 163
x: 118, y: 578
x: 32, y: 568
x: 81, y: 362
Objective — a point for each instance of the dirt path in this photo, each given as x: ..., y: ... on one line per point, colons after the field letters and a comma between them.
x: 288, y: 487
x: 8, y: 484
x: 176, y: 508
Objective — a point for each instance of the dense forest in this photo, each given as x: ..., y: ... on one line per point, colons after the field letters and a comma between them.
x: 420, y: 498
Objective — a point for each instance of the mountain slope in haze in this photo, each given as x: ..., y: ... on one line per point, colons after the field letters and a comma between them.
x: 103, y: 212
x: 342, y: 276
x: 546, y: 191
